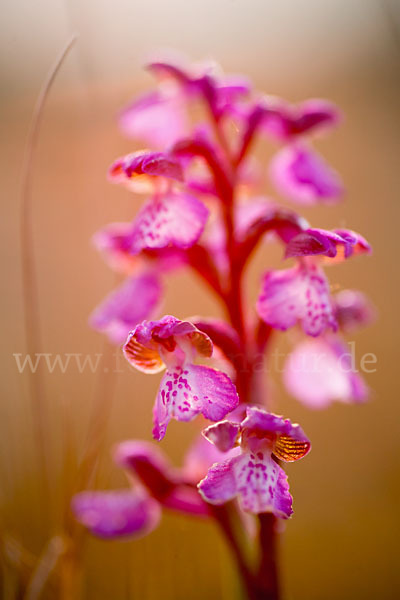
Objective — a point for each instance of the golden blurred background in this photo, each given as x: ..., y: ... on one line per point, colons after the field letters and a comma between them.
x: 343, y: 539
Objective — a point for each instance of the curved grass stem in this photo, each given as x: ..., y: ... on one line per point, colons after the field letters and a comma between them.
x: 30, y: 293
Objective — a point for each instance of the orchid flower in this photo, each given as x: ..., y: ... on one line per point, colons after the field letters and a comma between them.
x: 254, y: 476
x: 169, y: 218
x: 301, y: 293
x: 186, y: 390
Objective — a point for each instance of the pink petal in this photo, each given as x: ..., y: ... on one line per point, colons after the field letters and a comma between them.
x: 336, y: 245
x: 132, y: 302
x: 199, y: 340
x: 262, y: 485
x: 319, y: 372
x: 297, y: 294
x: 223, y: 435
x: 157, y: 118
x: 303, y: 176
x: 173, y: 220
x: 190, y: 390
x: 219, y: 486
x: 314, y: 242
x: 145, y: 172
x: 159, y: 164
x: 356, y: 243
x: 116, y: 513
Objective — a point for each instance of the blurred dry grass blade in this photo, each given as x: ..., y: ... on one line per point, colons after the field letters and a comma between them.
x: 29, y: 276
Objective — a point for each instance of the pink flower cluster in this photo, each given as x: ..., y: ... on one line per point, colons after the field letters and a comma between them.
x: 204, y: 211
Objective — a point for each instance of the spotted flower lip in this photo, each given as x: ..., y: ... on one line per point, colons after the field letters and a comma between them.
x: 258, y: 481
x: 186, y: 390
x: 302, y: 175
x: 172, y: 220
x: 144, y: 171
x: 319, y: 372
x: 297, y: 294
x: 338, y: 244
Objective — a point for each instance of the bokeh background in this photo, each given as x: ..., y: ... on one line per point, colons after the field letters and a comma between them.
x: 343, y: 539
